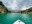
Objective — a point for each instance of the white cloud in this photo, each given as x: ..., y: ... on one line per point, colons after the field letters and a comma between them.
x: 10, y: 5
x: 7, y: 3
x: 19, y: 1
x: 16, y: 5
x: 30, y: 0
x: 24, y: 8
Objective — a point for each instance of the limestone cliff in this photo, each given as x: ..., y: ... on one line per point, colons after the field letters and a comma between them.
x: 27, y: 10
x: 3, y: 9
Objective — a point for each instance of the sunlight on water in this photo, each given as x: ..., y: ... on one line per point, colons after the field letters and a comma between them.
x: 25, y: 16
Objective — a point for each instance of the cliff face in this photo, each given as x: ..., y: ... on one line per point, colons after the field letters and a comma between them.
x: 3, y: 9
x: 27, y: 11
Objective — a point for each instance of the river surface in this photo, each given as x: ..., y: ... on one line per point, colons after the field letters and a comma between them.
x: 10, y: 18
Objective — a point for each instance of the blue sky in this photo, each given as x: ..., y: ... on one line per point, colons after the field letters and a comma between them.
x: 17, y: 4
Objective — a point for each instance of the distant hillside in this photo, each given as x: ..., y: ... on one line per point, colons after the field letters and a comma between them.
x: 27, y: 11
x: 3, y: 9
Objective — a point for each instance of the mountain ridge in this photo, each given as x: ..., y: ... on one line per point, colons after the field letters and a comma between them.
x: 3, y: 9
x: 27, y: 10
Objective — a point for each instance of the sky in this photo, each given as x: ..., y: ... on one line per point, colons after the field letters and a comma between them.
x: 17, y: 5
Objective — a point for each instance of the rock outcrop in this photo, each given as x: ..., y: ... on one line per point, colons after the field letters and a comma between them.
x: 3, y: 9
x: 27, y: 10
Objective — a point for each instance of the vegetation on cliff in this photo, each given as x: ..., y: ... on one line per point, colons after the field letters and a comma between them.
x: 3, y: 9
x: 27, y: 10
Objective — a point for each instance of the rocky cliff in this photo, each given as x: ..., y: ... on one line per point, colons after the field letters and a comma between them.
x: 3, y: 9
x: 27, y: 10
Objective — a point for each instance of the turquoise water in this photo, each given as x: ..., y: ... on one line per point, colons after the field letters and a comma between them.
x: 10, y: 18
